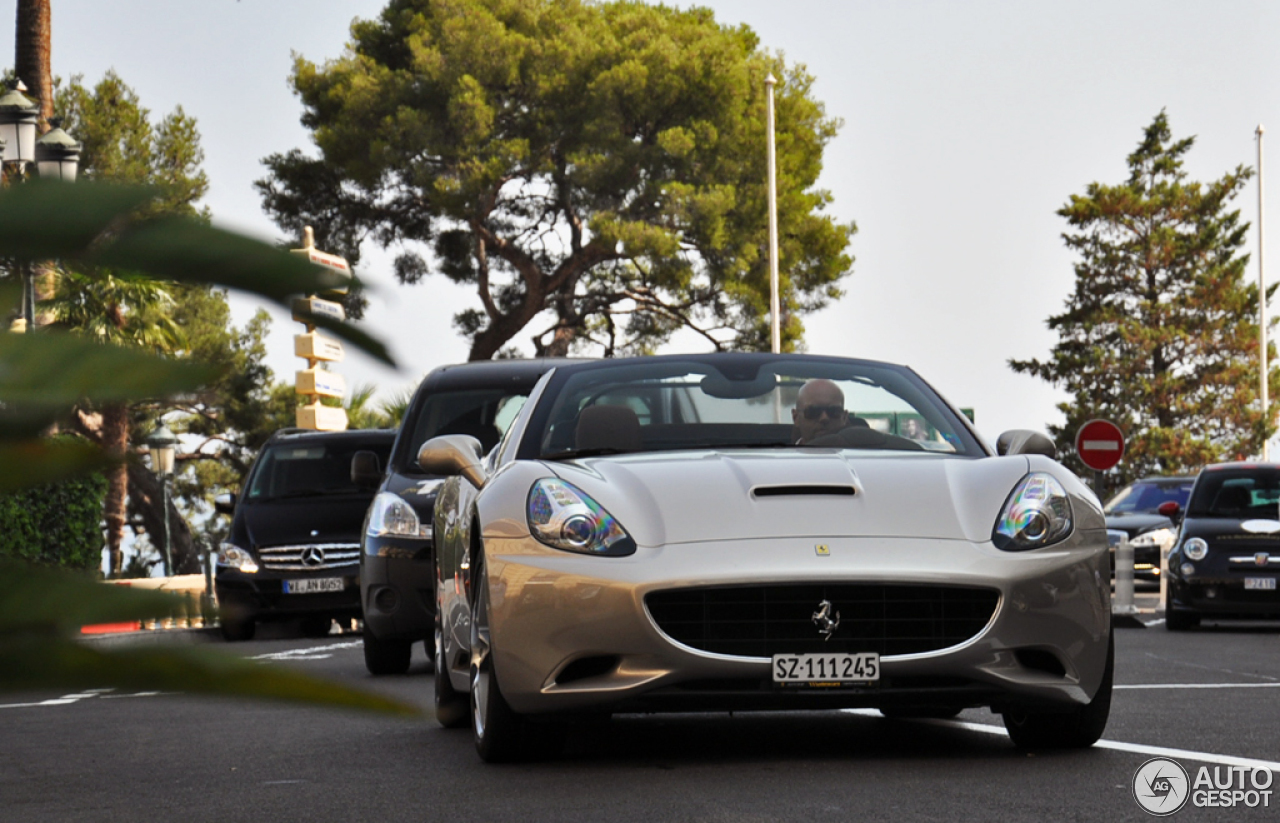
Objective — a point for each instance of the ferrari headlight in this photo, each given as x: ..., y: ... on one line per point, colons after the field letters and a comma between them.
x: 565, y: 517
x: 1158, y: 538
x: 1037, y: 514
x: 234, y: 557
x: 391, y: 515
x: 1195, y: 548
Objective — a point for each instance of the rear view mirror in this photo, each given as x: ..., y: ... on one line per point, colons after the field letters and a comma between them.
x: 451, y: 454
x: 225, y: 503
x: 365, y: 471
x: 1024, y: 441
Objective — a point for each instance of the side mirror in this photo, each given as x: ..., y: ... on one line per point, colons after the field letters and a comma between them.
x: 1171, y: 510
x: 365, y: 471
x: 451, y: 454
x: 1024, y: 441
x: 225, y: 503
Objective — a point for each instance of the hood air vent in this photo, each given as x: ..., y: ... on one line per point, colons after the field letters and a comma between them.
x: 809, y: 489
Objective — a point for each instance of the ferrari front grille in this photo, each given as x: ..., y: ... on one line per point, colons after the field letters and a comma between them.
x: 761, y: 621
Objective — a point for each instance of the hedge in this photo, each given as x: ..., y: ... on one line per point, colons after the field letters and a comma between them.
x: 55, y: 525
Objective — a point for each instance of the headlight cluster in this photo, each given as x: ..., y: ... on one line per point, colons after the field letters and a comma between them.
x: 391, y: 515
x: 565, y: 517
x: 1037, y: 514
x: 234, y: 557
x: 1195, y: 548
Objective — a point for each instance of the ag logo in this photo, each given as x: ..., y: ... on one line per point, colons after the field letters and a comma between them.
x: 1161, y: 786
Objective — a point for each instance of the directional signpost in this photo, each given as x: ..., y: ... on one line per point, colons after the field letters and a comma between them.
x: 315, y: 382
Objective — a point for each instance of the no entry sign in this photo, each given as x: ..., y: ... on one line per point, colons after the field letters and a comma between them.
x: 1100, y: 444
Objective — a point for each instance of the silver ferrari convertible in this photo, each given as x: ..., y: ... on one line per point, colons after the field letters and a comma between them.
x: 740, y: 531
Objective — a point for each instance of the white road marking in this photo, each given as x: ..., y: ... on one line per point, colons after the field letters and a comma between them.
x: 1135, y: 748
x: 1170, y: 660
x: 313, y: 653
x: 1200, y: 686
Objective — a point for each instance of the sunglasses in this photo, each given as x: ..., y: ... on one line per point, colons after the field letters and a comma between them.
x: 814, y: 412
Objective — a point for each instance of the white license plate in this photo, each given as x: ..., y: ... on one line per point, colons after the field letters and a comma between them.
x: 1259, y: 582
x: 312, y: 585
x: 826, y: 669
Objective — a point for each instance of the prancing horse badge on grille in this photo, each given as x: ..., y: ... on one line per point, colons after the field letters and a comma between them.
x: 822, y: 618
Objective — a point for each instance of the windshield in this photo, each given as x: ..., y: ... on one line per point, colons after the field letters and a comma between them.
x: 1145, y: 497
x: 739, y: 402
x: 310, y: 469
x: 485, y: 414
x: 1243, y: 494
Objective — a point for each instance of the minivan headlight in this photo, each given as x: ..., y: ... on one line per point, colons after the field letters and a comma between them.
x: 1037, y: 514
x: 234, y: 557
x: 565, y: 517
x: 1158, y: 538
x: 391, y: 515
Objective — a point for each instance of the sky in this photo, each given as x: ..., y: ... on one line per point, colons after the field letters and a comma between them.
x: 965, y: 127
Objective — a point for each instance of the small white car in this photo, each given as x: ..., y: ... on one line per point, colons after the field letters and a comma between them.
x: 740, y: 531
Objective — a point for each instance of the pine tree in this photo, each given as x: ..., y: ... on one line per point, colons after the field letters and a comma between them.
x: 1160, y: 335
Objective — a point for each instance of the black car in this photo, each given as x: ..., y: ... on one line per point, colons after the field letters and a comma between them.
x: 397, y: 564
x: 294, y: 546
x: 1227, y: 559
x: 1135, y: 511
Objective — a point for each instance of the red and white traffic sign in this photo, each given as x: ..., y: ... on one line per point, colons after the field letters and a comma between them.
x: 1100, y: 444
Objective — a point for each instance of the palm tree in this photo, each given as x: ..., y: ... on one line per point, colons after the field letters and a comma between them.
x: 121, y: 310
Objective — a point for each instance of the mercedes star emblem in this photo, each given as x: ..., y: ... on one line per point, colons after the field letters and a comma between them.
x: 313, y: 556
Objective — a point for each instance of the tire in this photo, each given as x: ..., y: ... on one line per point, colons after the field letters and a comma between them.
x: 1180, y: 620
x: 385, y: 656
x: 235, y: 630
x: 500, y: 733
x: 1076, y: 729
x: 316, y: 626
x: 453, y: 710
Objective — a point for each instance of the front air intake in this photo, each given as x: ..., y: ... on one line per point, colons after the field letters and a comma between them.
x: 761, y: 621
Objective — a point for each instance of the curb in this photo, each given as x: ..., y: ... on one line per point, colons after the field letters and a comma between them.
x: 158, y: 637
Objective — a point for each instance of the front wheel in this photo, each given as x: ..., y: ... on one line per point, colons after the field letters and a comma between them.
x: 1180, y: 620
x: 235, y: 629
x: 452, y: 708
x: 385, y: 656
x: 1076, y: 729
x: 500, y: 733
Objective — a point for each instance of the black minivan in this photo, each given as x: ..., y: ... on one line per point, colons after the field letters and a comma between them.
x: 397, y: 564
x: 294, y: 546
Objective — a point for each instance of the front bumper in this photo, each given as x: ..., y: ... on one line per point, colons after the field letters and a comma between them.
x: 397, y: 587
x: 572, y: 633
x: 261, y: 595
x: 1225, y: 596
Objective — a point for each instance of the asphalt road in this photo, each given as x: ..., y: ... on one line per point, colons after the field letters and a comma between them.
x: 1212, y: 694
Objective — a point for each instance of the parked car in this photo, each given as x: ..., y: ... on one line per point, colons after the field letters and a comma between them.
x: 1227, y: 559
x: 1135, y: 511
x: 294, y: 546
x: 397, y: 563
x: 688, y: 533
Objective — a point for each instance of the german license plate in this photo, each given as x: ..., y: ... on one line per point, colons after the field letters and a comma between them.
x: 825, y: 670
x: 1259, y: 582
x: 311, y: 585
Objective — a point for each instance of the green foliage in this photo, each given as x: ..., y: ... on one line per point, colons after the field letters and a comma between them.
x: 56, y: 524
x: 42, y: 376
x: 604, y: 162
x: 1161, y: 333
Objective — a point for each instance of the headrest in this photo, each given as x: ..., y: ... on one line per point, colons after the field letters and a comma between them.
x: 608, y: 427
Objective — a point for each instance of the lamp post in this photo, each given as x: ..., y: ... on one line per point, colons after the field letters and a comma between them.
x: 162, y: 443
x: 55, y: 155
x: 19, y: 117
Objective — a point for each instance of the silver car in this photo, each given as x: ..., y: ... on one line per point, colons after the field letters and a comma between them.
x: 749, y: 531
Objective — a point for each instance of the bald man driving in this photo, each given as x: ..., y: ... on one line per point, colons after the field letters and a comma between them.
x: 819, y: 410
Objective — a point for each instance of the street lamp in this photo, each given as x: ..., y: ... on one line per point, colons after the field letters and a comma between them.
x: 57, y: 155
x: 162, y: 443
x: 18, y: 119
